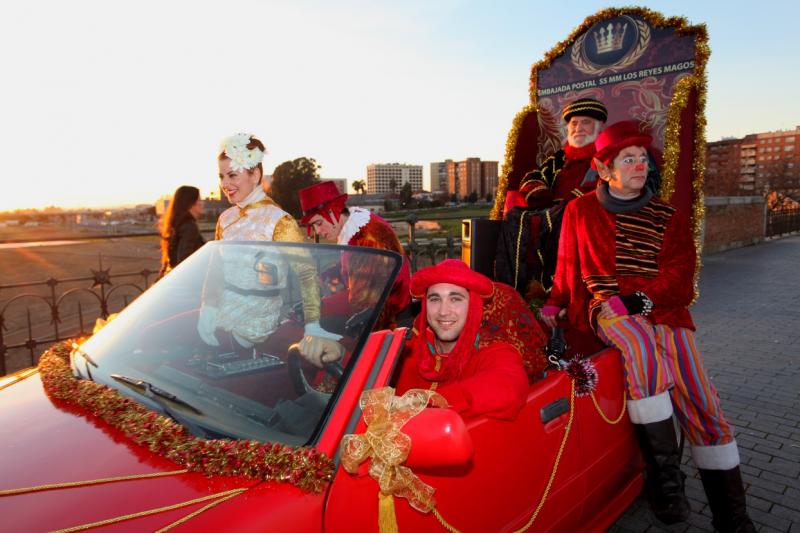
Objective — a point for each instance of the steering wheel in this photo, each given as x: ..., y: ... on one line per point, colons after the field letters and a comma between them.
x: 294, y: 365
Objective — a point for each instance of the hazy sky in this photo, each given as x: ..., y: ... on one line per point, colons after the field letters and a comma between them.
x: 108, y: 102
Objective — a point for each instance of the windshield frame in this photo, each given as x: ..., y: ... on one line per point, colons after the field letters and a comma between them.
x: 395, y: 264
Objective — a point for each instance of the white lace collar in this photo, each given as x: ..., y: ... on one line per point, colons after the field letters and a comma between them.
x: 359, y: 217
x: 255, y: 195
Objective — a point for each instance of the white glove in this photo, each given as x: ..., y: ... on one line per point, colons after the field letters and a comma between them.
x: 207, y: 323
x: 315, y: 330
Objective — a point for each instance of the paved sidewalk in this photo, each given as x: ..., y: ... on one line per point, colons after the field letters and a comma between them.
x: 748, y: 321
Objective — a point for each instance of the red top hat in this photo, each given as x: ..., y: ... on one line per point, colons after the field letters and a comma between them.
x: 618, y: 136
x: 316, y: 197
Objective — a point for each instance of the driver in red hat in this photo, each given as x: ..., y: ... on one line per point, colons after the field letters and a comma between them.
x: 478, y: 373
x: 325, y: 211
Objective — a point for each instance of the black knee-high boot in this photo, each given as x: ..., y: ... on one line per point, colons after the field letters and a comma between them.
x: 665, y: 481
x: 725, y: 493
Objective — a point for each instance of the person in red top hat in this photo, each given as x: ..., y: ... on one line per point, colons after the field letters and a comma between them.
x: 478, y: 373
x: 626, y: 270
x: 326, y: 213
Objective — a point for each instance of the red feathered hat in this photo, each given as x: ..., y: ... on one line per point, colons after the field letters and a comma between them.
x: 317, y: 197
x: 618, y: 136
x: 450, y: 271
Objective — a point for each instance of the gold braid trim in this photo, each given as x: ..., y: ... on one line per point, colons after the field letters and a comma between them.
x: 535, y: 189
x: 222, y: 496
x: 242, y: 214
x: 71, y: 484
x: 516, y: 251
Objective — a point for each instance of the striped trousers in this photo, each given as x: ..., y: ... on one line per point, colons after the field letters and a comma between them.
x: 664, y: 374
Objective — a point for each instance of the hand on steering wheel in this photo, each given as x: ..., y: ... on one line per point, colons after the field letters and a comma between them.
x: 319, y: 350
x: 296, y: 376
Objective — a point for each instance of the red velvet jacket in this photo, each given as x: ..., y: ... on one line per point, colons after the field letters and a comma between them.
x: 493, y: 382
x: 377, y: 233
x: 589, y: 251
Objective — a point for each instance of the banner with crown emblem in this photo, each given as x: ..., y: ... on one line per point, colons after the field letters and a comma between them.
x: 642, y: 66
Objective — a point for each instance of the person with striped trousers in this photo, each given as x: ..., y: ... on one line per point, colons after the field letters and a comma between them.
x: 625, y: 271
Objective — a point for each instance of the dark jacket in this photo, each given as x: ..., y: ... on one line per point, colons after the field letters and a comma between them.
x: 184, y: 242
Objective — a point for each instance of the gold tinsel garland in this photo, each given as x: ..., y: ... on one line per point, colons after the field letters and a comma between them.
x: 672, y: 133
x: 511, y: 148
x: 683, y: 90
x: 303, y: 467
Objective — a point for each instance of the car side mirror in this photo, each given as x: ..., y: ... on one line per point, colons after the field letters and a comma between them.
x: 439, y: 438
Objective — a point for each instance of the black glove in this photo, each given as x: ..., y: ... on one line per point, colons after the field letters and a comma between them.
x: 637, y: 303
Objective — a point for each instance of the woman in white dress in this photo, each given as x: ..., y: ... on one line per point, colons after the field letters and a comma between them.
x: 247, y: 302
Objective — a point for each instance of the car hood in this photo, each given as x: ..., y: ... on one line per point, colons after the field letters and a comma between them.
x: 44, y: 441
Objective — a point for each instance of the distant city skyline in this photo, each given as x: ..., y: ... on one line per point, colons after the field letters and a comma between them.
x: 110, y: 104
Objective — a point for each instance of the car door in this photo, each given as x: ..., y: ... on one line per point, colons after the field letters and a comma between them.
x: 500, y: 488
x: 613, y: 461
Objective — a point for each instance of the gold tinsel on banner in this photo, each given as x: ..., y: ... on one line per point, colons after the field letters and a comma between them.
x: 511, y: 149
x: 303, y: 467
x: 695, y: 83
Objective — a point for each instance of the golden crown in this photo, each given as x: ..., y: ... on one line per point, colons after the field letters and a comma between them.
x: 609, y: 38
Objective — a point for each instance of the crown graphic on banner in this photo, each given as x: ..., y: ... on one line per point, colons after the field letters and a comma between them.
x: 609, y: 38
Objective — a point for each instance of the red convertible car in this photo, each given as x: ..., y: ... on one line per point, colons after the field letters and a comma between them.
x: 146, y: 426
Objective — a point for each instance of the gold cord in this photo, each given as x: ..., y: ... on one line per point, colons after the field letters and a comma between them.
x: 557, y: 461
x: 547, y: 487
x: 70, y: 484
x: 219, y: 496
x: 603, y: 415
x: 201, y: 510
x: 443, y: 522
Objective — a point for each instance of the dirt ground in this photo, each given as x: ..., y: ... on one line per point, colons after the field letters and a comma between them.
x: 40, y: 263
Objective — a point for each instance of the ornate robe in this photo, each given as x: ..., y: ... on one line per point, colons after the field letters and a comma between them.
x: 602, y: 254
x: 250, y: 302
x: 561, y: 178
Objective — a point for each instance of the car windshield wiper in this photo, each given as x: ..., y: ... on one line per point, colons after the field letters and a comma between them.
x: 87, y: 357
x: 155, y: 393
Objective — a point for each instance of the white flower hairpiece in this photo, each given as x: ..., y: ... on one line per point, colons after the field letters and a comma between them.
x: 242, y: 158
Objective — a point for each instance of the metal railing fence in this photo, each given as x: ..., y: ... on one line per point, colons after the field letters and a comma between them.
x: 35, y: 314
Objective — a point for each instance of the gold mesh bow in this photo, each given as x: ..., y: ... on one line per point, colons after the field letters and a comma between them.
x: 388, y: 447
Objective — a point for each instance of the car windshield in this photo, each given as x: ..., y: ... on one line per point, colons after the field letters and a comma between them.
x: 212, y: 343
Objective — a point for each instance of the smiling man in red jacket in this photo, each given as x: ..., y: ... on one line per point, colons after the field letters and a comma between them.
x: 478, y: 371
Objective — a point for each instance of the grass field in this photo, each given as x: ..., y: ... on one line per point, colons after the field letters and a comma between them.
x: 449, y: 218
